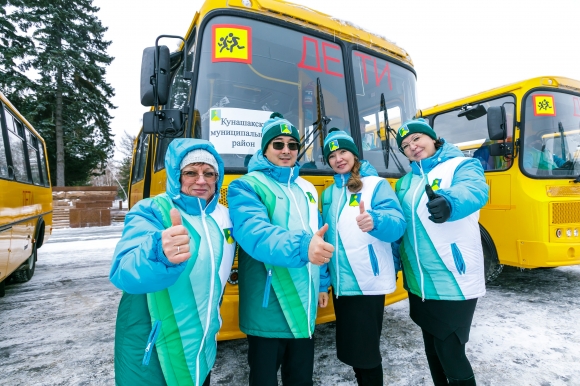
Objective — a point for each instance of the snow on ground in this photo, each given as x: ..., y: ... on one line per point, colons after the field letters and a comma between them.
x: 58, y: 329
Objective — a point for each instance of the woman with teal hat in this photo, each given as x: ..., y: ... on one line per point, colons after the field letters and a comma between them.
x: 364, y: 217
x: 441, y: 250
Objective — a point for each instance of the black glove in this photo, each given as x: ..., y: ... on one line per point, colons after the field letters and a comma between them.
x: 438, y: 206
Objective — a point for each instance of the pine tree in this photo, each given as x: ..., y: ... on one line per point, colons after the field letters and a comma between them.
x: 13, y: 49
x: 72, y: 99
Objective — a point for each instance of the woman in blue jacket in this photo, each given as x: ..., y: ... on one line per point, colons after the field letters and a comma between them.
x: 172, y: 263
x: 364, y: 217
x: 441, y: 249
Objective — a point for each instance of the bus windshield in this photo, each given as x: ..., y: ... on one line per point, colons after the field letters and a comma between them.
x: 249, y: 69
x: 374, y: 76
x: 471, y: 135
x: 551, y: 145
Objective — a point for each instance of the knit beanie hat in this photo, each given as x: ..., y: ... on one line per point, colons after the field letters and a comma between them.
x: 276, y: 126
x: 418, y: 125
x: 338, y: 139
x: 199, y: 156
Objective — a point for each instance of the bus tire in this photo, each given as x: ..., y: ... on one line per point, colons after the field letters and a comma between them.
x: 2, y: 288
x: 491, y: 265
x: 26, y: 271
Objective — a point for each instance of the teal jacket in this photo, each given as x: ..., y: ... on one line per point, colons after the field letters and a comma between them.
x: 274, y: 212
x: 168, y: 316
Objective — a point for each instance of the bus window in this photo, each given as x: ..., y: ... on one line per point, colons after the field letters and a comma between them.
x: 3, y: 159
x: 242, y: 81
x: 374, y: 76
x: 141, y: 158
x: 471, y: 136
x: 15, y: 137
x: 43, y: 167
x: 551, y: 144
x: 32, y: 143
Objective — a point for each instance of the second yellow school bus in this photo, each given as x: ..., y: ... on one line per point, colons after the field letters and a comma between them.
x: 532, y: 217
x: 25, y: 198
x: 251, y: 58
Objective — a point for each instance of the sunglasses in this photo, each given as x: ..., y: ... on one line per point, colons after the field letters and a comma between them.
x: 208, y: 176
x: 413, y: 141
x: 292, y: 146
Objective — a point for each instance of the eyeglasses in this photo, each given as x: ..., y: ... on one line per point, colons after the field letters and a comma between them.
x: 208, y: 176
x: 413, y: 140
x: 292, y: 146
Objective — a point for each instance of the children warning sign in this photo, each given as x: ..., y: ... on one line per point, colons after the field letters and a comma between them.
x: 544, y: 105
x: 231, y: 43
x: 236, y: 131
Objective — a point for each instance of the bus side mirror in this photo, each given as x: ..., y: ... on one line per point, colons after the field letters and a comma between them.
x: 155, y: 81
x: 496, y: 123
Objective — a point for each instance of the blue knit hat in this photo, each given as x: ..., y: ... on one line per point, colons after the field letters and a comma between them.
x: 338, y: 139
x: 276, y: 126
x: 418, y: 125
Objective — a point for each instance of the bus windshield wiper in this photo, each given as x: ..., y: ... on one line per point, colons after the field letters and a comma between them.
x: 386, y: 145
x: 321, y: 123
x: 562, y: 142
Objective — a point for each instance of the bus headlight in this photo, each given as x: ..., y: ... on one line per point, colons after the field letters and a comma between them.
x: 558, y: 233
x: 569, y: 232
x: 575, y: 232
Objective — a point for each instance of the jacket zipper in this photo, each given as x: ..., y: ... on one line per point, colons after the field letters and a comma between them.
x: 151, y: 341
x: 212, y: 282
x: 342, y: 192
x: 308, y: 264
x: 415, y: 230
x: 266, y: 298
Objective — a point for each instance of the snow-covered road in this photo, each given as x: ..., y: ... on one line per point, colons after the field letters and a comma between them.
x: 58, y: 329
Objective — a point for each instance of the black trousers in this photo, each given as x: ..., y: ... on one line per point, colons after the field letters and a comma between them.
x: 267, y: 355
x: 207, y: 380
x: 446, y: 359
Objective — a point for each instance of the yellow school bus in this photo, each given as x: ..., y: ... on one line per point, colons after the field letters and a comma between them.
x: 26, y: 198
x: 240, y: 61
x: 532, y: 165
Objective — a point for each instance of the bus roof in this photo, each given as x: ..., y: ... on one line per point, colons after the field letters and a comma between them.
x: 541, y: 81
x: 20, y: 116
x: 307, y: 17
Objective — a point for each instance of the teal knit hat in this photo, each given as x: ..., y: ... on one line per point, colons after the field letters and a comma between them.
x: 338, y: 139
x: 418, y: 125
x: 276, y: 126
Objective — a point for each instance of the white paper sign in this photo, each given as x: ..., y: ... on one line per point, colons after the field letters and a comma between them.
x: 236, y: 131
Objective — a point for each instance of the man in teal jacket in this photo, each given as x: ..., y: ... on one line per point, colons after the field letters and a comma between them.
x: 282, y: 263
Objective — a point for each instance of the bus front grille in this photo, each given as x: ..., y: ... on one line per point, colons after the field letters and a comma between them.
x: 565, y: 212
x: 224, y: 197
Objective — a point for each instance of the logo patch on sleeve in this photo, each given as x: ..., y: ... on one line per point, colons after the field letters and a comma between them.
x: 228, y: 235
x: 354, y: 199
x: 311, y: 198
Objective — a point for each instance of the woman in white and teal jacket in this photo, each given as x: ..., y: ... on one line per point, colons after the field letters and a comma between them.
x: 441, y: 250
x: 364, y: 217
x: 172, y: 263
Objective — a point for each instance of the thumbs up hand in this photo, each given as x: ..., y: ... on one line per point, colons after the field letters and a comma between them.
x: 364, y: 220
x: 437, y: 206
x: 175, y: 240
x: 319, y: 251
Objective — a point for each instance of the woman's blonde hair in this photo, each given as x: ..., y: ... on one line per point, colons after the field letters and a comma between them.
x: 354, y: 183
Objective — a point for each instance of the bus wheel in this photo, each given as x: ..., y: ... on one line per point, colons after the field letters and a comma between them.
x: 25, y: 272
x: 491, y: 266
x: 2, y: 288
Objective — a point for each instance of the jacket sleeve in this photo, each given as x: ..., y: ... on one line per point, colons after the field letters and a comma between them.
x: 388, y: 218
x: 324, y: 272
x: 395, y: 245
x: 139, y: 263
x: 258, y: 237
x: 468, y: 192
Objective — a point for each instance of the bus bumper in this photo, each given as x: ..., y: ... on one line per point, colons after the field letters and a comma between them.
x: 533, y: 254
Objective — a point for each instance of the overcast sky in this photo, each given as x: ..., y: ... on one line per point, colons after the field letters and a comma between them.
x: 458, y: 47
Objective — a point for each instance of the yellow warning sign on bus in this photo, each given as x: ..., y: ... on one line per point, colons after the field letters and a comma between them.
x: 231, y: 43
x: 544, y: 105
